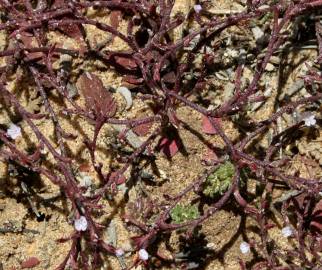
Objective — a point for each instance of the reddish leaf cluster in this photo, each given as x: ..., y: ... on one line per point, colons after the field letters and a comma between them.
x: 163, y: 70
x: 98, y: 99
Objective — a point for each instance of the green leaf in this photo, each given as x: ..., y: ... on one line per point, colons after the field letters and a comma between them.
x: 180, y: 214
x: 220, y: 180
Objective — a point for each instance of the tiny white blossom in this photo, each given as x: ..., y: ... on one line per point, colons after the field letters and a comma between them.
x: 244, y: 247
x: 14, y: 131
x: 287, y: 231
x: 143, y: 254
x: 81, y: 224
x: 310, y: 120
x: 119, y: 252
x: 197, y: 8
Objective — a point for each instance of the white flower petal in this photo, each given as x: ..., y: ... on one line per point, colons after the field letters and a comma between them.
x: 119, y: 252
x: 244, y: 247
x: 310, y: 121
x: 81, y: 224
x: 143, y: 254
x: 14, y: 131
x: 197, y: 8
x: 287, y: 231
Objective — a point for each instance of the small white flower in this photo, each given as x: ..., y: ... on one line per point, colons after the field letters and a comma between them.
x: 14, y: 131
x: 119, y: 252
x: 310, y: 120
x: 244, y: 247
x: 143, y: 254
x: 81, y: 224
x: 287, y: 231
x: 197, y: 8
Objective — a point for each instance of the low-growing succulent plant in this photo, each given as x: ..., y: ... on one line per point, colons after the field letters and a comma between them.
x: 166, y: 73
x: 180, y: 213
x: 220, y: 180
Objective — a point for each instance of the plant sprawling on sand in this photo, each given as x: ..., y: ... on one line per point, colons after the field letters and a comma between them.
x: 163, y: 70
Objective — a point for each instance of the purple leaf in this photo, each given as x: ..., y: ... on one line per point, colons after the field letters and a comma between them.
x: 97, y: 98
x: 169, y: 146
x: 207, y: 127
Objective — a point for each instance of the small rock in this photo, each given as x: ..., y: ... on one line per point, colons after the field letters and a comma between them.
x: 120, y: 180
x: 275, y: 60
x: 85, y: 180
x: 127, y: 95
x: 30, y: 263
x: 270, y: 67
x: 257, y: 33
x: 71, y: 90
x: 143, y: 129
x: 130, y: 136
